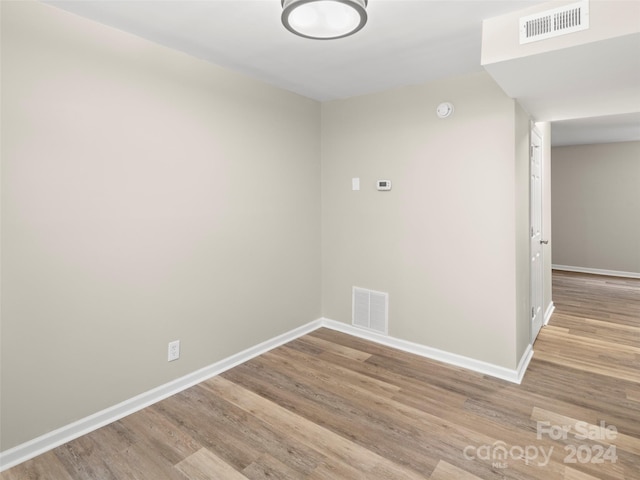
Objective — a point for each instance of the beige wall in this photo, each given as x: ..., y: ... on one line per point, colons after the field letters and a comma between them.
x: 442, y: 242
x: 146, y: 197
x: 596, y: 206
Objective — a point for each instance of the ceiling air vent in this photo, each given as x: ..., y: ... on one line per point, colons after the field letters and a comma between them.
x: 552, y: 23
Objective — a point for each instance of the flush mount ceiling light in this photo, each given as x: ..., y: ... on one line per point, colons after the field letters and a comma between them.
x: 324, y: 19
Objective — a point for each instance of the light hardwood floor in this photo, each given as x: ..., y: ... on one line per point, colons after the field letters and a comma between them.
x: 331, y: 406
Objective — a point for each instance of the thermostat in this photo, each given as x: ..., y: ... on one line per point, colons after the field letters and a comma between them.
x: 384, y: 184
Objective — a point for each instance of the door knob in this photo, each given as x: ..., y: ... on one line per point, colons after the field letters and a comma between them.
x: 544, y: 242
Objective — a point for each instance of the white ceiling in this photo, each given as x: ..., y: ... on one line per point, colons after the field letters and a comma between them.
x: 405, y: 42
x: 590, y: 93
x: 605, y: 129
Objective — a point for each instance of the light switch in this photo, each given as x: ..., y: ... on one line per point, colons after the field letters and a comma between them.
x: 355, y: 183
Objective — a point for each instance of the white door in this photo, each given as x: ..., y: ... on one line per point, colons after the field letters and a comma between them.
x: 536, y: 234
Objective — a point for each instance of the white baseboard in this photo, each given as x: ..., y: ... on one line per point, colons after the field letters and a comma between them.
x: 547, y: 314
x: 523, y: 364
x: 51, y: 440
x: 596, y: 271
x: 514, y: 376
x: 48, y: 441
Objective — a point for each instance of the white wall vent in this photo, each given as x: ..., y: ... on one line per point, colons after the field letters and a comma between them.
x: 370, y: 309
x: 552, y: 23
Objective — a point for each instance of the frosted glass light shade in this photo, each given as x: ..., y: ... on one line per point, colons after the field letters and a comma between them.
x: 324, y: 19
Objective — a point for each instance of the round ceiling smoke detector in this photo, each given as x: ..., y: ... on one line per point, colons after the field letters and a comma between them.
x: 445, y: 110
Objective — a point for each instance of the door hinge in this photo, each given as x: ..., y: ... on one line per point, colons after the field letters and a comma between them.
x: 533, y: 309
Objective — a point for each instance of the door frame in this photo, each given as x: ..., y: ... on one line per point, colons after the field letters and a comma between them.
x: 536, y: 234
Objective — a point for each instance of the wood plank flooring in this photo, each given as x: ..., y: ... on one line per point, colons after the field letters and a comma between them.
x: 331, y: 406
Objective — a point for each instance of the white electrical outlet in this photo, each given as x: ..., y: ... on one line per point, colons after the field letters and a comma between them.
x: 174, y: 350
